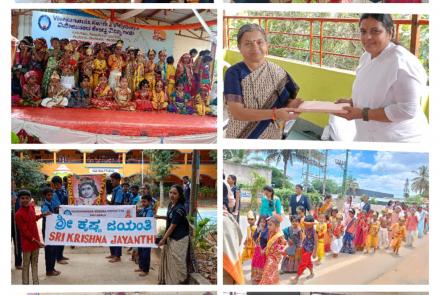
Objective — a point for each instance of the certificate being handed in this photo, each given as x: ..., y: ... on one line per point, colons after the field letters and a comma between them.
x: 322, y: 107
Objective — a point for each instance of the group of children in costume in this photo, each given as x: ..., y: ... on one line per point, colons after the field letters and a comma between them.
x: 273, y: 250
x: 55, y: 195
x: 83, y: 75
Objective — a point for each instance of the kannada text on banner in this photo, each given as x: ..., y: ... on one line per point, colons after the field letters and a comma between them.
x: 83, y: 231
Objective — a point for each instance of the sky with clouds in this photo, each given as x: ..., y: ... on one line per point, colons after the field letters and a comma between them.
x: 374, y: 170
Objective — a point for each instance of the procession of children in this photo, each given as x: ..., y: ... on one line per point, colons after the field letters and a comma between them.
x: 327, y: 231
x: 70, y: 73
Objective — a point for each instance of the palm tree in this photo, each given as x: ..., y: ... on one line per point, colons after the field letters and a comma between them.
x: 420, y: 183
x: 286, y: 156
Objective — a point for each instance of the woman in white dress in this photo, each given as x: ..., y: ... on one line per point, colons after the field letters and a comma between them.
x: 390, y: 83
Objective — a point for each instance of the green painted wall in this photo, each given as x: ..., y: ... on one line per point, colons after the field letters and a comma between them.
x: 315, y: 83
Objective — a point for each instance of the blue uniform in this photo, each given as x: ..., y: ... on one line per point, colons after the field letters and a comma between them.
x: 126, y: 197
x: 59, y: 197
x: 135, y: 199
x: 62, y: 196
x: 145, y: 253
x: 51, y: 253
x: 117, y: 196
x: 117, y: 199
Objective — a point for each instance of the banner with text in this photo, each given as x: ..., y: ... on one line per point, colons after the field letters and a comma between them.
x: 126, y: 211
x: 95, y: 30
x: 83, y: 231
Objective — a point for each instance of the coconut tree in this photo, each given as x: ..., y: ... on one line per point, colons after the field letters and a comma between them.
x: 277, y: 156
x: 420, y: 183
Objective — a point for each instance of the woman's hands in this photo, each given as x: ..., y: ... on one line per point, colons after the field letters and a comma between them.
x: 352, y: 112
x: 161, y: 243
x: 286, y: 114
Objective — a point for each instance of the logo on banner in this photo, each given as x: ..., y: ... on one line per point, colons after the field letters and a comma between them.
x: 44, y: 22
x: 159, y: 35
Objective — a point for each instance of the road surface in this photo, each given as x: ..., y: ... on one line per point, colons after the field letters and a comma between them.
x: 410, y: 267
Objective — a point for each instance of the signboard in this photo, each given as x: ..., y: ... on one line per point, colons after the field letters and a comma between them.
x: 126, y: 211
x: 87, y: 190
x: 83, y: 231
x: 103, y: 170
x: 95, y: 30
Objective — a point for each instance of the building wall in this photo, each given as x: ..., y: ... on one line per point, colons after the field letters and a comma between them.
x: 244, y: 173
x: 184, y: 45
x: 127, y: 170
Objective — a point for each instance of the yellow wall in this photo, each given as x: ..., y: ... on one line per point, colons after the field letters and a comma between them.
x: 315, y: 83
x: 129, y: 169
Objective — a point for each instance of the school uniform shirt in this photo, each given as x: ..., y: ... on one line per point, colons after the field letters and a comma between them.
x: 135, y: 199
x: 62, y: 196
x: 126, y: 198
x: 146, y: 212
x: 177, y: 215
x: 51, y: 206
x: 26, y: 221
x: 117, y: 196
x: 396, y: 81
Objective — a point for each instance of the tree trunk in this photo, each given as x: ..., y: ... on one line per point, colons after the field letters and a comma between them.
x: 285, y: 174
x: 162, y: 201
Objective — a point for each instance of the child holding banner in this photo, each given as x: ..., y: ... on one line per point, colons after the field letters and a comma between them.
x: 26, y: 221
x: 61, y: 195
x: 49, y: 206
x: 117, y: 199
x: 144, y: 253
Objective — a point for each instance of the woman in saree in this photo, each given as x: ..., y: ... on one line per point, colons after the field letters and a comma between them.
x: 390, y: 83
x: 259, y: 259
x: 260, y: 95
x: 274, y: 252
x: 175, y: 242
x: 184, y: 72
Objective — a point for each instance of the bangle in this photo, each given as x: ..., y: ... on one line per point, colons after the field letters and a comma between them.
x: 274, y: 116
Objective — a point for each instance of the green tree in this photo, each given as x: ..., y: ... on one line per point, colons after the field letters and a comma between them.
x: 330, y: 185
x: 213, y: 155
x: 352, y: 185
x: 256, y: 186
x: 161, y: 163
x: 420, y: 183
x: 27, y: 173
x: 237, y: 156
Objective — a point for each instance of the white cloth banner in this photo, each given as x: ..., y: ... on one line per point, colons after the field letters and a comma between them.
x: 107, y: 211
x: 99, y: 231
x: 95, y: 30
x: 52, y: 134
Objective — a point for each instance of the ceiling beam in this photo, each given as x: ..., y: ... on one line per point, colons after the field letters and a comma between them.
x: 184, y: 18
